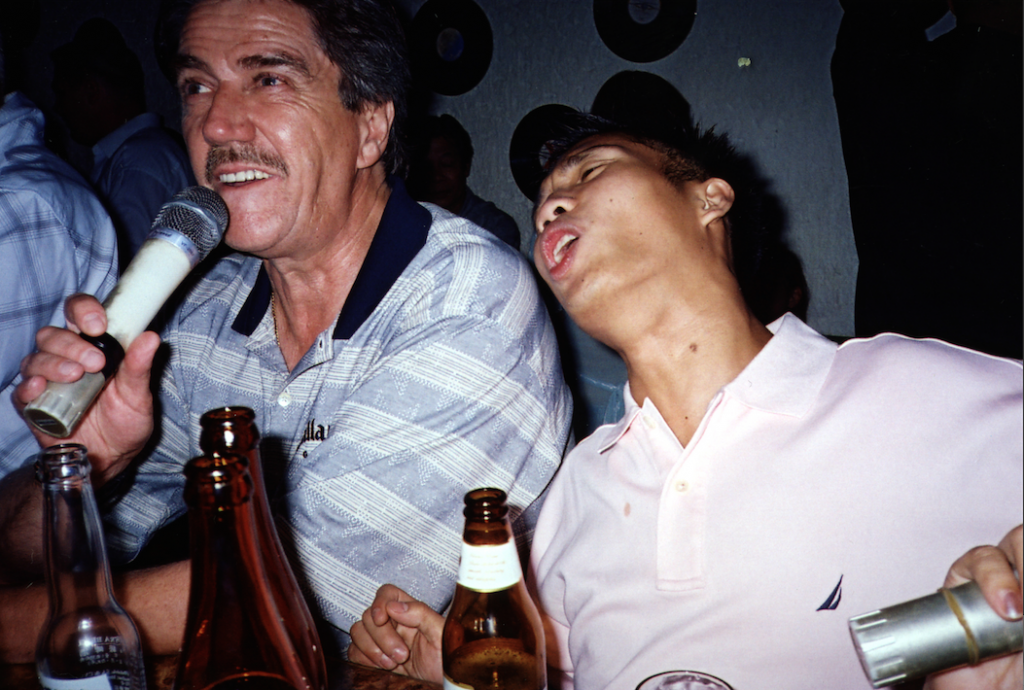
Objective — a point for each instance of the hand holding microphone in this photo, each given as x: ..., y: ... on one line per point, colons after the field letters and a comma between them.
x: 185, y: 231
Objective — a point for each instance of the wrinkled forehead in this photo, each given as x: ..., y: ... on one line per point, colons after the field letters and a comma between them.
x: 252, y: 22
x: 246, y: 36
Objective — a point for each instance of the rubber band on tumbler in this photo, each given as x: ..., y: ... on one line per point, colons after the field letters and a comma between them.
x: 973, y: 653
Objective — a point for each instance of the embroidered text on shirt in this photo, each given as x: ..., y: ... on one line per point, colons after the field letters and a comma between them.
x: 315, y: 432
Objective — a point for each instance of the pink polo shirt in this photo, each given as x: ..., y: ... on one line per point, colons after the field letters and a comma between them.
x: 822, y: 483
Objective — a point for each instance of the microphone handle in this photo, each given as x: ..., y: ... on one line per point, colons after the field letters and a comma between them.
x: 160, y: 265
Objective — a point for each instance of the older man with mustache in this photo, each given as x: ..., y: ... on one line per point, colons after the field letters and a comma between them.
x: 395, y: 357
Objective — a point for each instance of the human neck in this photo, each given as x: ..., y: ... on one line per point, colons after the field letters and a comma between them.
x: 684, y: 362
x: 311, y: 289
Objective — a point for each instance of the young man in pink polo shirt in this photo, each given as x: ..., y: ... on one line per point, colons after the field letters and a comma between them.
x: 765, y: 484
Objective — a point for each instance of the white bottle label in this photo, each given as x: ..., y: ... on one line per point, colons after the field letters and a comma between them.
x: 489, y: 568
x: 100, y: 682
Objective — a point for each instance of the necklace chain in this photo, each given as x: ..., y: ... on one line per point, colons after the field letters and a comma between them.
x: 273, y: 317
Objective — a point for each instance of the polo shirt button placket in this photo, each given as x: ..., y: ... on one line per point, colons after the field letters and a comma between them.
x: 285, y: 399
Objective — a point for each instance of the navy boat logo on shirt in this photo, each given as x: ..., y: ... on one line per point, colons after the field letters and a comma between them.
x: 832, y: 603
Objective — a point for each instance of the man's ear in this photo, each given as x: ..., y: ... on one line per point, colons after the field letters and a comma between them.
x: 376, y: 128
x: 717, y: 197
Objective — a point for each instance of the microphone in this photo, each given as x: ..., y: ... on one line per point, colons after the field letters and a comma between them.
x: 185, y: 231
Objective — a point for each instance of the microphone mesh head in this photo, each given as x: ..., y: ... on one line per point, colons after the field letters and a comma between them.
x: 197, y: 213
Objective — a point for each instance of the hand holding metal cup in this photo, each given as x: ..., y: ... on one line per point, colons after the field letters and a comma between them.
x: 951, y: 628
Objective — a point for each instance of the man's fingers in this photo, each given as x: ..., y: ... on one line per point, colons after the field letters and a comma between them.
x: 408, y: 613
x: 391, y: 593
x: 364, y: 650
x: 355, y: 655
x: 418, y: 616
x: 27, y: 391
x: 37, y: 369
x: 57, y: 347
x: 385, y: 594
x: 378, y: 615
x: 392, y: 627
x: 1013, y: 546
x: 376, y: 635
x: 85, y: 313
x: 373, y: 657
x: 993, y: 569
x: 138, y: 360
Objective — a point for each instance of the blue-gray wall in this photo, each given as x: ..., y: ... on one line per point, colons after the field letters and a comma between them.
x: 779, y: 109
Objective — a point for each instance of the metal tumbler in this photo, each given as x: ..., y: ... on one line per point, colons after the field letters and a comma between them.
x: 953, y: 627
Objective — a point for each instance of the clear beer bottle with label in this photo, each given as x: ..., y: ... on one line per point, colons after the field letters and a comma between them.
x: 235, y: 637
x: 492, y: 636
x: 88, y: 641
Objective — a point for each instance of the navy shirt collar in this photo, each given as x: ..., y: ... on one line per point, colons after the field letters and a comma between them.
x: 400, y: 236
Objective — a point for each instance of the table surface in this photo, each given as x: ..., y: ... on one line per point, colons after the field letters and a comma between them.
x: 160, y: 676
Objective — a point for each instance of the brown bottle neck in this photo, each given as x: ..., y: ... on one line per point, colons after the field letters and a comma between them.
x: 487, y: 533
x: 233, y: 619
x: 232, y: 431
x: 220, y: 492
x: 222, y: 525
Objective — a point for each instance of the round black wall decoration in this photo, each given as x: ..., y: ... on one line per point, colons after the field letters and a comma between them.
x: 450, y: 45
x: 646, y: 102
x: 526, y: 151
x: 644, y: 30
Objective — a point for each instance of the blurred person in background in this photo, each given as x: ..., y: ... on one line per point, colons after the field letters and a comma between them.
x: 442, y: 156
x: 138, y: 164
x: 55, y: 240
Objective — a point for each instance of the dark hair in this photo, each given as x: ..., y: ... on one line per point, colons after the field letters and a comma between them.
x: 99, y: 49
x: 692, y: 154
x: 364, y: 38
x: 449, y: 128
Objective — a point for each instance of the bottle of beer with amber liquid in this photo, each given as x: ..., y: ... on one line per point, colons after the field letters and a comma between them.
x: 492, y: 637
x: 235, y: 637
x: 88, y: 642
x: 232, y: 430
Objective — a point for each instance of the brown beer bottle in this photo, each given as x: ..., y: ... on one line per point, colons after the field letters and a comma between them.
x: 232, y: 430
x: 492, y: 637
x: 234, y: 635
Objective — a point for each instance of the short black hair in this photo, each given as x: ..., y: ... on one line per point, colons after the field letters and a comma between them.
x: 98, y: 49
x: 691, y: 154
x: 364, y: 38
x: 446, y: 127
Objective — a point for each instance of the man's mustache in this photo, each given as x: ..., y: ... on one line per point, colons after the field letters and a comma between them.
x: 242, y: 153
